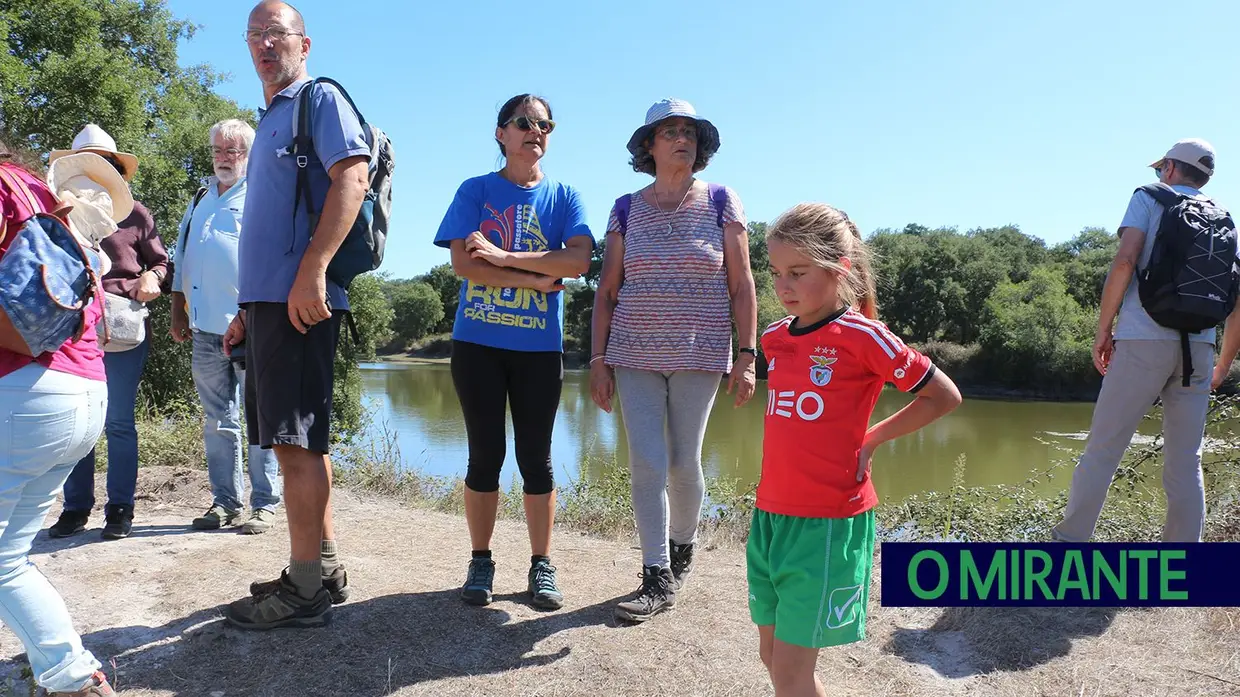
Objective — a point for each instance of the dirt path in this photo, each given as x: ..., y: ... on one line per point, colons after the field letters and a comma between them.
x: 152, y: 602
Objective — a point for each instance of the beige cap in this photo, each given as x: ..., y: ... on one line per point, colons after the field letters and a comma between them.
x: 1193, y: 151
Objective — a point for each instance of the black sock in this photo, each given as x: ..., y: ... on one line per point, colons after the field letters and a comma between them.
x: 537, y: 558
x: 482, y: 553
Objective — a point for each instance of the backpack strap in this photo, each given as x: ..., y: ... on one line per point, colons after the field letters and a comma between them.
x: 719, y: 197
x: 1163, y: 194
x: 303, y: 137
x: 622, y: 212
x: 183, y: 241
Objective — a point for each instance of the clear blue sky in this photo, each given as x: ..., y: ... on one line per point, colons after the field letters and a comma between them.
x: 951, y: 112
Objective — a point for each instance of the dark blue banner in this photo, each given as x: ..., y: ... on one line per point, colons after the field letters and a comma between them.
x: 1031, y: 574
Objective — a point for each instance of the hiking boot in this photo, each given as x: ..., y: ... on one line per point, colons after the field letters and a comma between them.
x: 217, y: 516
x: 118, y: 521
x: 657, y: 593
x: 477, y: 588
x: 97, y: 687
x: 682, y: 562
x: 282, y: 608
x: 70, y: 523
x: 260, y: 522
x: 542, y: 586
x: 336, y: 584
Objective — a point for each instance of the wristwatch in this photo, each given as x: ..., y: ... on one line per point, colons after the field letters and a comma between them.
x: 748, y: 350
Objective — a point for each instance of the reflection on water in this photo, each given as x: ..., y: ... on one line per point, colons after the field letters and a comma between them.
x: 1004, y: 442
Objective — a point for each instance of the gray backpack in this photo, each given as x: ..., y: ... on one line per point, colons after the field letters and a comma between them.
x: 362, y: 250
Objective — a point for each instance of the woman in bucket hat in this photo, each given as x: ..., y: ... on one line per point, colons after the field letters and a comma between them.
x: 675, y: 275
x: 139, y: 264
x: 52, y: 408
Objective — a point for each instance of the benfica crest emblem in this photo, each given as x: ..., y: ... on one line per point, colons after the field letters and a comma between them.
x: 820, y: 372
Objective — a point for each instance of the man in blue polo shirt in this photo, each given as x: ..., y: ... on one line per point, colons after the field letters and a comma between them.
x: 290, y: 312
x: 204, y: 302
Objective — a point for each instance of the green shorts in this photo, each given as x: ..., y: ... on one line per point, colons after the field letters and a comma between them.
x: 810, y: 577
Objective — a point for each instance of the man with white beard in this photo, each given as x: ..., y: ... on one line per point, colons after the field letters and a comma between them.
x: 204, y: 302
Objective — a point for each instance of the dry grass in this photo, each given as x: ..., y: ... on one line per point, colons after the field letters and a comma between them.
x: 152, y: 601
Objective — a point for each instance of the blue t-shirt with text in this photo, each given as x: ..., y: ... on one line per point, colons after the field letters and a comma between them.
x: 516, y: 219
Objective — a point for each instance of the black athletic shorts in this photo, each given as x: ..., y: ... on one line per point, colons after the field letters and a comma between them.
x: 288, y: 378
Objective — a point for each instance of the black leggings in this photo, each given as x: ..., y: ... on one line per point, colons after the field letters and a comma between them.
x: 486, y: 380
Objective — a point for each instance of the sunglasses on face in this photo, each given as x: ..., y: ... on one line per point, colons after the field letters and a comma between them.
x: 674, y: 132
x: 525, y: 123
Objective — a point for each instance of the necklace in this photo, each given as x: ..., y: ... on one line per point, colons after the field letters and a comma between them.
x: 659, y: 206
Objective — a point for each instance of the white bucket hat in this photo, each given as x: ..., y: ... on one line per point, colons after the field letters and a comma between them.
x: 708, y: 135
x: 93, y: 137
x: 93, y: 196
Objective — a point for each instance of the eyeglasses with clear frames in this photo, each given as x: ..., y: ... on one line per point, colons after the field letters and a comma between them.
x: 276, y: 34
x: 233, y: 153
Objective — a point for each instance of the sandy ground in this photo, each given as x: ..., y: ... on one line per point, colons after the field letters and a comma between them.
x: 149, y: 607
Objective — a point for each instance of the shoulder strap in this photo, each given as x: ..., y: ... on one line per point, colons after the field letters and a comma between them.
x: 622, y: 212
x: 1163, y: 194
x: 719, y: 197
x: 184, y: 240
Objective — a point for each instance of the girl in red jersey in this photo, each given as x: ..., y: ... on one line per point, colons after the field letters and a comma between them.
x: 811, y: 542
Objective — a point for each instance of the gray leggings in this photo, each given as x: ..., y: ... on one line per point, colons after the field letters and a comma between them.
x: 665, y: 420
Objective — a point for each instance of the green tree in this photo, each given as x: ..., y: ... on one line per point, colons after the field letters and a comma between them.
x: 372, y: 315
x: 416, y: 310
x: 114, y: 63
x: 1036, y: 333
x: 448, y: 286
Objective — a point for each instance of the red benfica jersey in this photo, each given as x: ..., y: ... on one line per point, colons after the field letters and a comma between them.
x: 822, y: 384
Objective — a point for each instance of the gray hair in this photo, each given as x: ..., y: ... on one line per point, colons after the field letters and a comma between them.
x: 233, y: 129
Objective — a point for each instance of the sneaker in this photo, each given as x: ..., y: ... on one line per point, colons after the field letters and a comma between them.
x: 657, y: 593
x: 682, y: 562
x: 542, y: 586
x: 477, y: 588
x: 217, y: 516
x: 118, y: 521
x: 336, y: 584
x: 282, y: 608
x: 70, y: 523
x: 260, y: 522
x: 97, y: 687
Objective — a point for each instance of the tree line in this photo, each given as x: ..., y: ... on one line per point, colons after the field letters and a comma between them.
x: 997, y: 308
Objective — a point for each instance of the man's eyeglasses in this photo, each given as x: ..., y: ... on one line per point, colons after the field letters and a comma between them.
x: 525, y: 123
x: 276, y: 34
x: 232, y: 153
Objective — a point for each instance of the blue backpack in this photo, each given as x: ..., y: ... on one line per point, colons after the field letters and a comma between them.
x: 362, y: 249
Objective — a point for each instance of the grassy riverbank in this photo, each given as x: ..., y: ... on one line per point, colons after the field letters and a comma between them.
x: 598, y: 503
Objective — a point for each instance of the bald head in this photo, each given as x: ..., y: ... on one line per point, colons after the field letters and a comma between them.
x: 291, y: 14
x: 278, y: 45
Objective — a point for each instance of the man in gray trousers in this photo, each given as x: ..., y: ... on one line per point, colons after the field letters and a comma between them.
x: 1140, y: 361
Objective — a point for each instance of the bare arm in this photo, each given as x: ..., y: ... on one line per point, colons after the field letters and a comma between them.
x: 307, y: 300
x: 344, y: 199
x: 608, y: 293
x: 570, y: 262
x: 1228, y: 349
x: 740, y: 284
x: 484, y: 273
x: 1131, y: 242
x: 936, y: 398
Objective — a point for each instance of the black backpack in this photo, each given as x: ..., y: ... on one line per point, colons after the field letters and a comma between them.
x: 1193, y: 277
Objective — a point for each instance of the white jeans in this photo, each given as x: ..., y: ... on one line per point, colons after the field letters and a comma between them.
x: 48, y: 421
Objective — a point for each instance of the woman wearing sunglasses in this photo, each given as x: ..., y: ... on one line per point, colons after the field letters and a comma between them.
x: 515, y: 235
x: 675, y: 275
